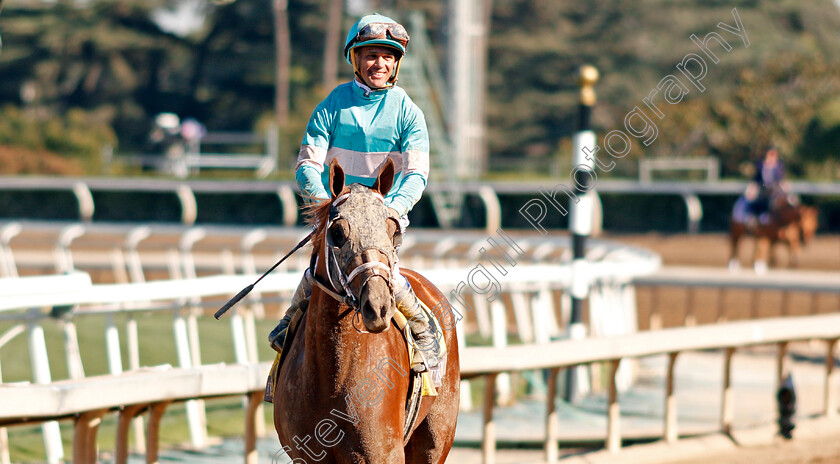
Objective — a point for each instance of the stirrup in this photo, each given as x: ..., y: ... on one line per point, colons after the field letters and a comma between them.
x: 427, y: 359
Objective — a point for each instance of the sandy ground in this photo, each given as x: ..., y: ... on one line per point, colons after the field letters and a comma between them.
x: 808, y: 446
x: 815, y: 442
x: 823, y: 253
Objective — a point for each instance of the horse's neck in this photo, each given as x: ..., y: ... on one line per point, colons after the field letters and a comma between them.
x: 785, y: 213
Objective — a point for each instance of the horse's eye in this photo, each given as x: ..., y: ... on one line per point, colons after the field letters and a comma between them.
x: 338, y: 233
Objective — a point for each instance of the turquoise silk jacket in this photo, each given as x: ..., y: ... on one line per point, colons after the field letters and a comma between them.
x: 362, y: 129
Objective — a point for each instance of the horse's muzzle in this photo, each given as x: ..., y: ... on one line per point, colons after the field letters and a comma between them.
x: 377, y: 305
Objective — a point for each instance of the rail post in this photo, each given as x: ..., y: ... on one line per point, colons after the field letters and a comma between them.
x: 830, y: 376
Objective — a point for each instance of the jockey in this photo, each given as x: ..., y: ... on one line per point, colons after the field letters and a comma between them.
x: 363, y: 123
x: 769, y: 179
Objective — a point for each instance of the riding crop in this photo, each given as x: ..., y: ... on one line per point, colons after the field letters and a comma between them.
x: 248, y: 289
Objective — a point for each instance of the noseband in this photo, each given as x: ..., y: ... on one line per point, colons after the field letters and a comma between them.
x: 367, y: 270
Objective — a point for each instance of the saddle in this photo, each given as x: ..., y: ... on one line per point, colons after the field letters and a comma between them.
x: 422, y: 387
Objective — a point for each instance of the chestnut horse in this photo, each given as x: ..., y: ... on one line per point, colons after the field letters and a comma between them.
x: 790, y: 223
x: 341, y: 393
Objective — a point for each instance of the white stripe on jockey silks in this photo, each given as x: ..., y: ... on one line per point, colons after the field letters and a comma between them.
x: 579, y: 141
x: 310, y: 155
x: 416, y: 161
x: 361, y: 164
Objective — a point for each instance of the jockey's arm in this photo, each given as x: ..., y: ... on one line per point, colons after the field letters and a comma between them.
x: 309, y: 181
x: 415, y: 161
x: 313, y: 153
x: 408, y: 194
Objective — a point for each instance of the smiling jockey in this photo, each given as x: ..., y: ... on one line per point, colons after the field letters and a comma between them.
x: 362, y: 123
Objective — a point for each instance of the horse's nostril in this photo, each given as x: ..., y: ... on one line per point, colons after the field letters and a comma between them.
x: 367, y: 307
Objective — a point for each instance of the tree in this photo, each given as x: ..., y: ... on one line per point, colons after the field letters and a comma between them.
x: 283, y: 57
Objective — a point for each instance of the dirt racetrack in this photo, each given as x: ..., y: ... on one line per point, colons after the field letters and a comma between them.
x: 823, y: 253
x: 817, y: 445
x: 707, y: 305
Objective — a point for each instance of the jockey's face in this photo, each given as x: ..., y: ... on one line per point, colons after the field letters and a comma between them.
x: 376, y: 65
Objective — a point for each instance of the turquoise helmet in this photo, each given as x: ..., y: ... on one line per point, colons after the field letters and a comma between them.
x: 376, y: 29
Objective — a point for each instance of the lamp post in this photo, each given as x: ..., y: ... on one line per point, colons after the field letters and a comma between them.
x: 580, y: 220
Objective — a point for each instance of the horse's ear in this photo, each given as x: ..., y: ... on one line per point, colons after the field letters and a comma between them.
x: 336, y: 178
x: 385, y: 179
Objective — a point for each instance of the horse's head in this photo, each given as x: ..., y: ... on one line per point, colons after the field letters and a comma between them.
x: 784, y: 206
x: 808, y: 222
x: 359, y: 236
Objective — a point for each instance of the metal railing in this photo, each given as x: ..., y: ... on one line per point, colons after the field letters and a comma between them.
x: 487, y: 192
x: 55, y: 401
x: 522, y: 283
x: 187, y: 157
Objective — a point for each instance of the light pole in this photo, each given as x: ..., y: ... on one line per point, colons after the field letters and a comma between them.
x: 580, y: 221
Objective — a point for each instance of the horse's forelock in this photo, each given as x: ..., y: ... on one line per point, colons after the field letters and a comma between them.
x: 317, y: 214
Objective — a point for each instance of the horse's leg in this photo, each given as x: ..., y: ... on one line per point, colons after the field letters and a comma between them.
x: 432, y: 439
x: 762, y: 246
x: 425, y: 446
x: 735, y: 232
x: 792, y: 238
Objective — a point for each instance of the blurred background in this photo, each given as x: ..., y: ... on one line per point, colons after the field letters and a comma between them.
x: 156, y: 140
x: 124, y: 88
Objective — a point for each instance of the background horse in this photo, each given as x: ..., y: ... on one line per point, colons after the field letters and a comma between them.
x: 790, y: 223
x: 341, y: 393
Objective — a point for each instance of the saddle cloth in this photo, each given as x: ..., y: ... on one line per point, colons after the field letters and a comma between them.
x: 431, y: 378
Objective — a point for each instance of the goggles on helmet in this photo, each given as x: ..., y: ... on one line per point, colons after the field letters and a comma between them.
x: 373, y: 31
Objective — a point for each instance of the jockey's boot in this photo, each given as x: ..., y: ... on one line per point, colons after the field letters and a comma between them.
x: 427, y: 352
x: 277, y: 337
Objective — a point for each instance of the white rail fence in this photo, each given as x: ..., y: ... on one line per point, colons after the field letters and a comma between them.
x: 526, y: 291
x: 130, y: 392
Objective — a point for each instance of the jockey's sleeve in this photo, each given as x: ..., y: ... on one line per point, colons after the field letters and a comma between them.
x: 309, y: 180
x: 313, y: 152
x: 408, y: 194
x: 415, y: 161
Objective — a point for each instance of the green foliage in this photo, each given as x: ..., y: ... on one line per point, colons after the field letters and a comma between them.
x: 111, y: 59
x: 75, y: 134
x: 768, y: 91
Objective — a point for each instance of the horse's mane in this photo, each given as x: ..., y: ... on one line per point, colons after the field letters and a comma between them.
x: 318, y: 214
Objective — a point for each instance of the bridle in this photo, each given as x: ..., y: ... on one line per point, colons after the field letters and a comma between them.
x: 370, y: 269
x: 339, y: 282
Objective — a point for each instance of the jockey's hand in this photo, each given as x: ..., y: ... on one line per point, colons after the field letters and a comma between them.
x: 393, y: 213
